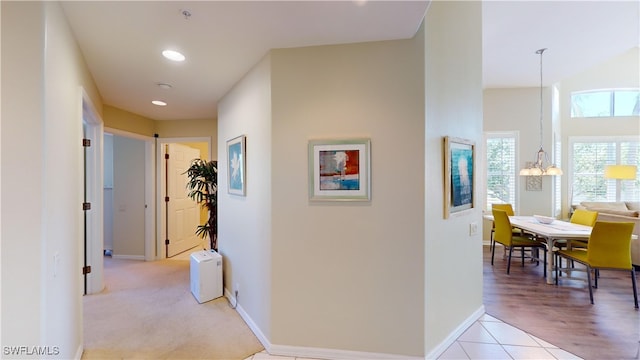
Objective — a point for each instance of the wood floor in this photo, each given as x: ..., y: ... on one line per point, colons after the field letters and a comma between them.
x: 562, y: 315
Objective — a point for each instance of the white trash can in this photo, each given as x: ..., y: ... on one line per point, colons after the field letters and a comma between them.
x: 206, y: 275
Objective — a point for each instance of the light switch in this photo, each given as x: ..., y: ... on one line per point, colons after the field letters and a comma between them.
x: 473, y: 228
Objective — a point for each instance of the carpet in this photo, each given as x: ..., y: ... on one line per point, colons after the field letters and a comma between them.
x: 147, y: 311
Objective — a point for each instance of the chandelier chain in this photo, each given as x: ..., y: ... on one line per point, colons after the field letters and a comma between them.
x: 541, y: 97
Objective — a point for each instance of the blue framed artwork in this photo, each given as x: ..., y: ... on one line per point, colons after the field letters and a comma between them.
x: 236, y: 166
x: 459, y: 171
x: 339, y: 170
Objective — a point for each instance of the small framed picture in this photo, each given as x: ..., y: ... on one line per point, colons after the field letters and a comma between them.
x: 339, y: 170
x: 236, y: 165
x: 459, y: 165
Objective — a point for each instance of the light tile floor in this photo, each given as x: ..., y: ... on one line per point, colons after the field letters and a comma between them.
x: 487, y: 338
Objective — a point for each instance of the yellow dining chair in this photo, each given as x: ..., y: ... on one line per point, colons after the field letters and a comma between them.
x: 582, y: 217
x: 609, y: 248
x: 504, y: 235
x: 508, y: 208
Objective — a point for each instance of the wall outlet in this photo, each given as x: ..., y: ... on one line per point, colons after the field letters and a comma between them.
x: 473, y: 228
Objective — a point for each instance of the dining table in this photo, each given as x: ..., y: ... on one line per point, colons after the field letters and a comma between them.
x: 551, y: 233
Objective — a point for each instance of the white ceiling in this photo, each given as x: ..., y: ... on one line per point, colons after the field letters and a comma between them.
x: 122, y: 41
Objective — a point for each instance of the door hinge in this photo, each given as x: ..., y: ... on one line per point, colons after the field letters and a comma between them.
x: 86, y: 270
x: 166, y: 156
x: 86, y: 206
x: 166, y: 242
x: 86, y: 142
x: 166, y: 199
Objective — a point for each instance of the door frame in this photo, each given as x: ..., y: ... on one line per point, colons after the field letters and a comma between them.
x: 161, y: 184
x: 149, y: 199
x: 94, y: 182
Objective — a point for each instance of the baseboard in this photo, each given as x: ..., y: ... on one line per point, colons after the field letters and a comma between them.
x: 79, y: 352
x: 336, y: 354
x: 247, y: 319
x: 333, y: 354
x: 128, y: 257
x: 453, y: 336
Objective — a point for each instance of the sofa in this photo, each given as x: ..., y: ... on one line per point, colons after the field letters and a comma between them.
x: 626, y: 211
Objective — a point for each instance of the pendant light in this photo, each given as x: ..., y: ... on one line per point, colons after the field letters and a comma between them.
x: 541, y: 164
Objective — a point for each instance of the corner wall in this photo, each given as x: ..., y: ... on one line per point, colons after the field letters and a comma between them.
x: 244, y: 222
x: 357, y: 279
x: 453, y: 257
x: 293, y: 270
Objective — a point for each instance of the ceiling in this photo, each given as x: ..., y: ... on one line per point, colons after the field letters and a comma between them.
x: 222, y: 40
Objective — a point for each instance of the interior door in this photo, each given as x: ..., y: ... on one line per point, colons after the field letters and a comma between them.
x: 183, y: 214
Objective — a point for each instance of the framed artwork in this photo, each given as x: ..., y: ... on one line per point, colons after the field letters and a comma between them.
x: 459, y: 170
x: 236, y: 165
x: 339, y: 170
x: 534, y: 183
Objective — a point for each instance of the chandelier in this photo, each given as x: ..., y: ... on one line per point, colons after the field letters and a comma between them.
x: 541, y: 164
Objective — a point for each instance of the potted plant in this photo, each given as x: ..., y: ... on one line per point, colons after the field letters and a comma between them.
x: 203, y: 188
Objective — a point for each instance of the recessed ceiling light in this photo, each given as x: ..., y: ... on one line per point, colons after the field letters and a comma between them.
x: 173, y: 55
x: 164, y: 86
x: 159, y: 103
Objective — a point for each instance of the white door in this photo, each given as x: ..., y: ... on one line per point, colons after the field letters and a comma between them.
x: 183, y: 214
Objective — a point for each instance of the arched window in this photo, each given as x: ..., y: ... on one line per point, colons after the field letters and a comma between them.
x: 605, y: 103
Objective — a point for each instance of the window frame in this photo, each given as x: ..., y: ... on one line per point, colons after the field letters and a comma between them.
x: 572, y: 140
x: 612, y: 102
x: 515, y: 135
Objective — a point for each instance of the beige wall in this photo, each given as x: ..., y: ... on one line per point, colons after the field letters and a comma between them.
x: 453, y: 58
x: 190, y: 128
x: 200, y: 146
x: 119, y: 119
x: 123, y: 120
x: 41, y: 242
x: 349, y: 261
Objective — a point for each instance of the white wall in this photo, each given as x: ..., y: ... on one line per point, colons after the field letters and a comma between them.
x: 23, y: 230
x: 622, y: 71
x: 42, y: 215
x: 244, y: 223
x: 453, y: 258
x: 518, y: 109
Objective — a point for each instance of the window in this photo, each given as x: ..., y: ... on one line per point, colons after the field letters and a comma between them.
x: 501, y: 169
x: 588, y: 158
x: 605, y: 103
x: 557, y: 198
